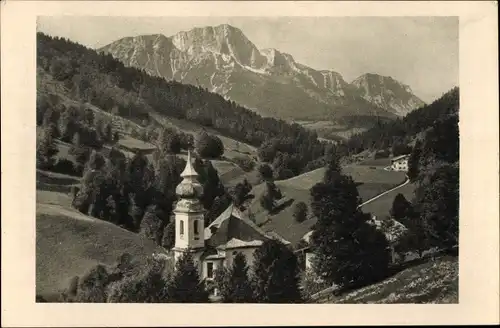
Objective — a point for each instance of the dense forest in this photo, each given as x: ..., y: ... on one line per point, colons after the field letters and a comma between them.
x: 101, y: 80
x: 386, y: 133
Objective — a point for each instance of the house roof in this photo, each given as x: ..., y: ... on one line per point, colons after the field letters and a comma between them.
x: 307, y: 236
x: 393, y: 232
x: 232, y: 224
x: 215, y: 257
x: 399, y: 157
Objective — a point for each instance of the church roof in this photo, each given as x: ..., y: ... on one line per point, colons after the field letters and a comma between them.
x: 234, y: 229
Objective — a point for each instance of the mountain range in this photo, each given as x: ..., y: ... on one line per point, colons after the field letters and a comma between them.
x: 223, y: 60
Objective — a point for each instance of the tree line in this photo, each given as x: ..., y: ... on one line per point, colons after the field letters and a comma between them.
x: 385, y: 133
x: 273, y: 279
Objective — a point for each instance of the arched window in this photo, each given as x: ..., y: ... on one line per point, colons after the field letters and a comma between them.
x: 195, y: 223
x: 181, y: 228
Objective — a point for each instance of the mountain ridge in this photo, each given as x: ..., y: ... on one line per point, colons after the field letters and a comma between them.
x: 223, y: 60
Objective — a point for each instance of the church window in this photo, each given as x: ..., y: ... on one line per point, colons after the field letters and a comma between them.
x: 181, y: 228
x: 210, y: 270
x: 196, y: 227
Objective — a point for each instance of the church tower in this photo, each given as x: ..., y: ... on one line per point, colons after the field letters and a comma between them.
x: 189, y: 214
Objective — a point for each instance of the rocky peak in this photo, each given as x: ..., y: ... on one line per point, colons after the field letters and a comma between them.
x: 387, y: 93
x: 221, y: 39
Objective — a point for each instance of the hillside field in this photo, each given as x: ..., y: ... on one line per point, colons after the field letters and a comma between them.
x: 330, y: 130
x: 435, y: 281
x: 371, y: 182
x: 381, y: 206
x: 69, y: 243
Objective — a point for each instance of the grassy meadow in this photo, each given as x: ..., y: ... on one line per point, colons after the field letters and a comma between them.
x: 371, y: 182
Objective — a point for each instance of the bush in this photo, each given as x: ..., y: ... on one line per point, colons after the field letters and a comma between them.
x: 266, y: 172
x: 209, y: 146
x: 300, y: 212
x: 312, y: 284
x: 65, y: 166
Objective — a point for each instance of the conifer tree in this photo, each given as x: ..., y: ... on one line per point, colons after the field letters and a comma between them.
x: 401, y: 208
x: 348, y: 250
x: 45, y: 150
x: 152, y: 225
x: 236, y: 286
x: 185, y: 285
x: 275, y: 276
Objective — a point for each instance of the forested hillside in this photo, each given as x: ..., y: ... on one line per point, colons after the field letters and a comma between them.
x: 102, y: 81
x: 386, y: 133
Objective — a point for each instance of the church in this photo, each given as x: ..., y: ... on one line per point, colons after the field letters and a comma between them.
x: 216, y: 245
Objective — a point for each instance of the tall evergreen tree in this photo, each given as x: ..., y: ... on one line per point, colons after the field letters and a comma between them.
x: 401, y: 208
x: 212, y: 186
x: 236, y: 287
x: 349, y: 251
x: 275, y: 276
x: 185, y: 285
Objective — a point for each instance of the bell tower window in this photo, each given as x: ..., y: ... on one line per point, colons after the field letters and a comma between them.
x: 196, y: 230
x: 181, y: 228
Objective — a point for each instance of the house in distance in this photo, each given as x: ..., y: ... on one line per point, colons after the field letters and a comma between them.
x: 400, y: 163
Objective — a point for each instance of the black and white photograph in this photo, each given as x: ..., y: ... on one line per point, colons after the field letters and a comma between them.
x: 242, y: 157
x: 247, y: 160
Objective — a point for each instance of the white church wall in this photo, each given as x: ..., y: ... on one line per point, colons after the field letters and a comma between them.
x: 185, y: 234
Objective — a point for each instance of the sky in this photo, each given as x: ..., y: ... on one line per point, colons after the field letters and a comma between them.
x: 419, y: 51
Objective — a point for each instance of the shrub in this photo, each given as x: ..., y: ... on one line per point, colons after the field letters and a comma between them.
x: 65, y: 166
x: 266, y: 172
x: 312, y: 284
x: 300, y: 212
x: 209, y: 146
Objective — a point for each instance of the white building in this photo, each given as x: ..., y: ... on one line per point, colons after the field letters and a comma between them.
x: 217, y: 244
x: 400, y: 163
